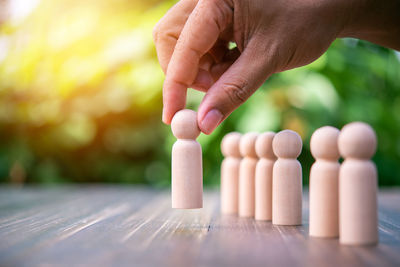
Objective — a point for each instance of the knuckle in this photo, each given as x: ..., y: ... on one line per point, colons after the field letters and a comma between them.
x: 161, y: 34
x: 223, y: 10
x: 236, y: 92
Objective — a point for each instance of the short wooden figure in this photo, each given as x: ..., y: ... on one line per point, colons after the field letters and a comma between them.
x: 187, y: 171
x: 287, y: 179
x: 263, y: 180
x: 230, y: 173
x: 358, y: 220
x: 247, y: 174
x: 324, y: 187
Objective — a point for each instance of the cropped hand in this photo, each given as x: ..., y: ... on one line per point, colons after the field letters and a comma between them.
x: 271, y: 36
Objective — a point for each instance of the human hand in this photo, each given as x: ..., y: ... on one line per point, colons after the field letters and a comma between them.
x: 271, y: 36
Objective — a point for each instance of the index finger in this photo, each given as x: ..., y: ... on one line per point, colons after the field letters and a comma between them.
x: 201, y: 31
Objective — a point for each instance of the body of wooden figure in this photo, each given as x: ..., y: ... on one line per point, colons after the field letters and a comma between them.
x: 287, y: 179
x: 358, y: 220
x: 247, y: 175
x: 230, y: 173
x: 187, y: 171
x: 324, y: 188
x: 263, y: 180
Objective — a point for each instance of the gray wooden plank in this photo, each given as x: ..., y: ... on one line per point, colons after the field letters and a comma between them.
x: 63, y: 219
x: 127, y: 226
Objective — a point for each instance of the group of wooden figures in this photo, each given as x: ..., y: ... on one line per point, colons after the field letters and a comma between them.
x: 262, y: 178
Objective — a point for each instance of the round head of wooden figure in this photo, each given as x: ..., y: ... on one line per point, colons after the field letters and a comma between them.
x: 230, y: 145
x: 324, y: 143
x: 264, y: 145
x: 357, y: 140
x: 287, y: 144
x: 184, y: 124
x: 247, y: 145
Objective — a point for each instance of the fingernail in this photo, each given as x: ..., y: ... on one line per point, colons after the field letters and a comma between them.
x: 211, y: 121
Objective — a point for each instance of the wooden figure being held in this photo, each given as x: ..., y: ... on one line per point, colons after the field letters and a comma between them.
x: 187, y: 171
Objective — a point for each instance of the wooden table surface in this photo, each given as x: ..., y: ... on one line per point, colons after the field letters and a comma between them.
x: 135, y: 226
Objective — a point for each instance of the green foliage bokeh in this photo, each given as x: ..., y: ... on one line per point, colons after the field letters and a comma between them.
x: 81, y: 97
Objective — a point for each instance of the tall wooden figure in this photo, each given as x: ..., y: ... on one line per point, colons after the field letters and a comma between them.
x: 263, y: 181
x: 358, y: 220
x: 230, y: 173
x: 187, y: 171
x: 287, y: 179
x: 324, y: 187
x: 247, y: 174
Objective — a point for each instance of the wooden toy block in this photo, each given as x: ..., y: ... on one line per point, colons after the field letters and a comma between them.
x: 287, y: 179
x: 247, y: 175
x: 230, y: 173
x: 358, y: 220
x: 263, y: 180
x: 324, y: 188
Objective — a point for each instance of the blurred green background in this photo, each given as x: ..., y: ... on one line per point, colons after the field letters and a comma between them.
x: 80, y: 96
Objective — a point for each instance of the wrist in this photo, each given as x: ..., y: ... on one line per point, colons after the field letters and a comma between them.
x: 375, y: 21
x: 355, y: 13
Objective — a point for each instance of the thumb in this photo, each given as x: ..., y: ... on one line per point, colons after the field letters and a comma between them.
x: 233, y: 88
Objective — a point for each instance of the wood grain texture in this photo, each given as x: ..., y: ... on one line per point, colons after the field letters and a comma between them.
x: 134, y: 226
